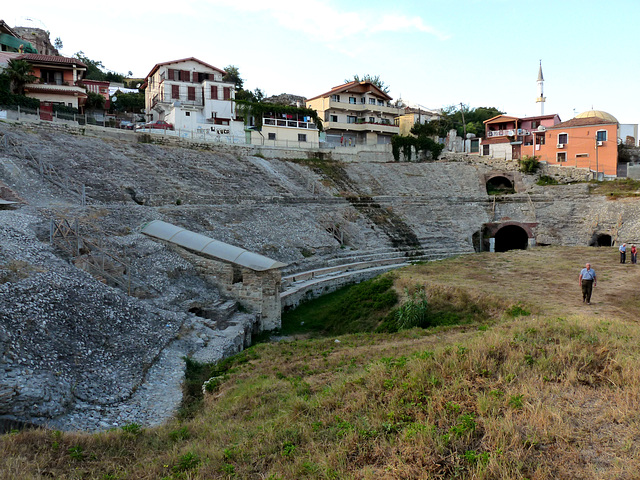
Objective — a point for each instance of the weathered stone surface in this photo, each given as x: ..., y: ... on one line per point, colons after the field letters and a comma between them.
x: 77, y: 353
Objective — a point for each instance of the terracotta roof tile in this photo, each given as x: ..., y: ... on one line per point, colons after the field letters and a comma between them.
x: 36, y: 57
x: 581, y: 122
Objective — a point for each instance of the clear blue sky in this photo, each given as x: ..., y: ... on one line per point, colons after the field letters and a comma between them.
x: 432, y: 53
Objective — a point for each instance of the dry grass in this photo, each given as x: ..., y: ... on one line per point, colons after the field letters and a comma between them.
x: 550, y: 395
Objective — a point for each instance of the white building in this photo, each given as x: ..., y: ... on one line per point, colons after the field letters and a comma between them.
x: 191, y: 95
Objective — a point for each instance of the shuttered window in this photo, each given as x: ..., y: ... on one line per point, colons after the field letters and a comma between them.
x: 227, y: 93
x: 175, y: 91
x: 191, y: 93
x: 214, y: 92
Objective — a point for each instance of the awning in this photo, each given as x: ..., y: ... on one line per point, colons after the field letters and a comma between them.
x: 15, y: 43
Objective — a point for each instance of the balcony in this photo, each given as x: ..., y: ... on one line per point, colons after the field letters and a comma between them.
x: 377, y: 127
x: 508, y: 133
x: 363, y: 107
x: 278, y: 122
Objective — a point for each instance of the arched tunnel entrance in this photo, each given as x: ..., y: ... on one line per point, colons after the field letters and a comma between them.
x: 511, y: 237
x: 600, y: 240
x: 499, y: 185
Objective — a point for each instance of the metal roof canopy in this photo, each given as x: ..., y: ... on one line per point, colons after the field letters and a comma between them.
x: 208, y: 246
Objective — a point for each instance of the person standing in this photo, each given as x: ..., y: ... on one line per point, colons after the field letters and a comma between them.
x: 623, y: 253
x: 634, y: 254
x: 587, y: 281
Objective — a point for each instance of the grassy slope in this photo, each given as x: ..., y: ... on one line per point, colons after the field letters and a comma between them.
x: 551, y: 395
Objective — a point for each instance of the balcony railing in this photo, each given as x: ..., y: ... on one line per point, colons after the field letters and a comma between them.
x: 277, y: 122
x: 508, y: 133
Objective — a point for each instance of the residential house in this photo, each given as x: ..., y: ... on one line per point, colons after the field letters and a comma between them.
x: 283, y: 127
x: 100, y: 87
x: 409, y: 116
x: 511, y: 137
x: 58, y: 80
x: 356, y: 113
x: 191, y: 95
x: 590, y: 140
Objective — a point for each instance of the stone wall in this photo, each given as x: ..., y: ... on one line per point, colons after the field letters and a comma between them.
x: 256, y: 291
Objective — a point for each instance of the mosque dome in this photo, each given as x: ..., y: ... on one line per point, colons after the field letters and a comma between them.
x: 598, y: 114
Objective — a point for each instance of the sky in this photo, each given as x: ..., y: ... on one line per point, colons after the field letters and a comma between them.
x: 482, y: 53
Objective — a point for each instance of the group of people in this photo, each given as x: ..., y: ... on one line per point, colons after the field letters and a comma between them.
x: 623, y: 253
x: 587, y: 279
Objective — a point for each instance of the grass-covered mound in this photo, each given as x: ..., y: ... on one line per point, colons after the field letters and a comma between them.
x: 543, y: 387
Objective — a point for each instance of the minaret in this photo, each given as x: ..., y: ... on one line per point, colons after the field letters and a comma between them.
x: 541, y: 98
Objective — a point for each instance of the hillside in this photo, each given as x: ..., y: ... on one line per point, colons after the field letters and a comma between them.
x: 548, y: 389
x: 81, y: 354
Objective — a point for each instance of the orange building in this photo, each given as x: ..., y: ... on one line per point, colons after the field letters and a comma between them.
x: 56, y: 80
x: 590, y: 140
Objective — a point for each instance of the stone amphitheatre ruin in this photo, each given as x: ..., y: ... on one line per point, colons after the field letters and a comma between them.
x: 97, y: 309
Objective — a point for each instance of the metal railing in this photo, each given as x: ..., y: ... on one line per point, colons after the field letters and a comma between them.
x: 95, y: 258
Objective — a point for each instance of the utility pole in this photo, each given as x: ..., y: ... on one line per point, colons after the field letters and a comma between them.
x: 464, y: 129
x: 596, y: 157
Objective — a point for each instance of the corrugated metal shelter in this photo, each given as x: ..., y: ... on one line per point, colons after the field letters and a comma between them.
x: 208, y: 246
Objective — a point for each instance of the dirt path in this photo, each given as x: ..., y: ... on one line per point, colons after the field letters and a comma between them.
x: 551, y: 275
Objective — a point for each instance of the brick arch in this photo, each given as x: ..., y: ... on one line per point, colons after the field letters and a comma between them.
x: 497, y: 181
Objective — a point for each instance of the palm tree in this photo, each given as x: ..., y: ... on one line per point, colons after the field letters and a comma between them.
x: 20, y: 73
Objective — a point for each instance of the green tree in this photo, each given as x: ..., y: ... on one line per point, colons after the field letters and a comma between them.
x: 94, y: 67
x: 96, y: 70
x: 368, y: 78
x: 232, y: 75
x: 58, y: 43
x: 95, y: 101
x: 128, y: 102
x: 466, y: 120
x: 19, y: 72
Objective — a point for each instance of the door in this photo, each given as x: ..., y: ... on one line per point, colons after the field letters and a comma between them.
x: 46, y: 111
x: 515, y: 152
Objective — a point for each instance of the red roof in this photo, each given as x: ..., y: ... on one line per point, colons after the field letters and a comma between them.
x: 36, y: 57
x: 366, y: 86
x: 541, y: 117
x: 158, y: 65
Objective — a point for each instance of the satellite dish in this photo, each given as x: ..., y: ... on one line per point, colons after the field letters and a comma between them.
x: 114, y: 99
x: 542, y: 128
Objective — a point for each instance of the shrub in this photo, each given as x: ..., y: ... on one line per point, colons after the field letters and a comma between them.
x: 529, y: 164
x: 546, y: 180
x: 413, y: 313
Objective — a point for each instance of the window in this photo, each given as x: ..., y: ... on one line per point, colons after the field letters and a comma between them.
x: 362, y: 100
x: 485, y: 149
x: 335, y: 98
x: 563, y: 138
x: 187, y: 114
x: 333, y: 118
x: 534, y: 124
x: 372, y: 101
x: 582, y: 155
x: 226, y: 91
x: 272, y: 136
x: 352, y: 100
x: 601, y: 135
x: 561, y: 157
x: 214, y: 92
x: 175, y: 91
x: 372, y: 120
x: 351, y: 119
x: 302, y: 137
x: 381, y: 103
x: 191, y: 93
